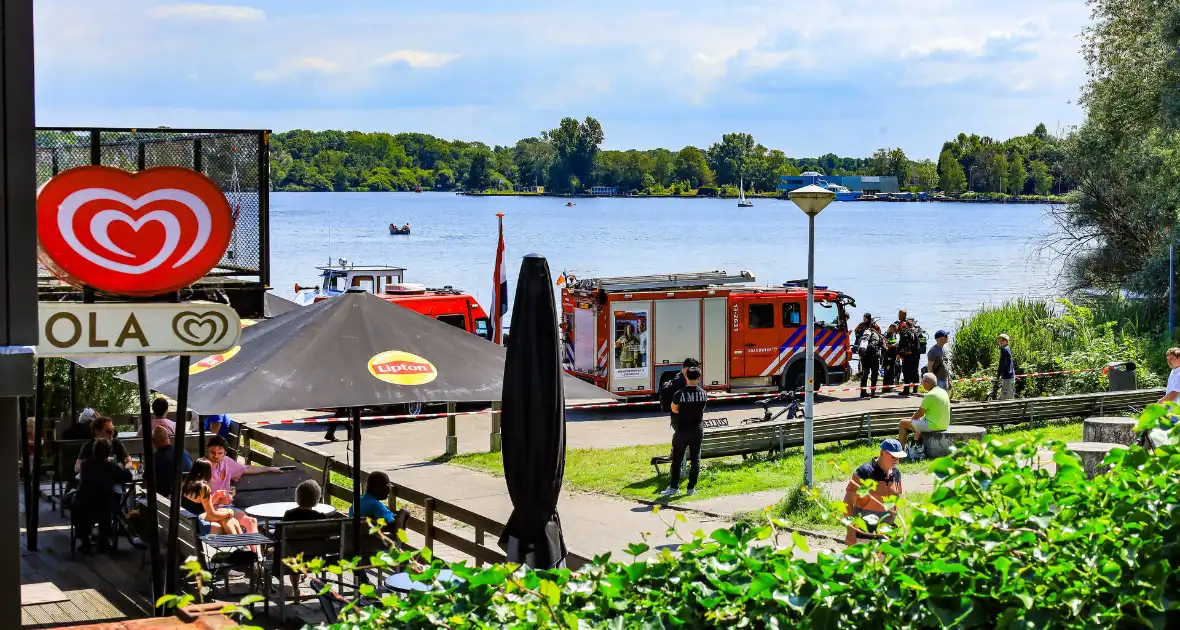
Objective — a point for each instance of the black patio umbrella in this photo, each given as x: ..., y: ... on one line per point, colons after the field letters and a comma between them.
x: 533, y: 423
x: 273, y: 305
x: 355, y: 350
x: 352, y: 351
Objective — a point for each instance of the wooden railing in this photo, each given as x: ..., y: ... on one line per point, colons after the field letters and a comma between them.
x: 477, y: 539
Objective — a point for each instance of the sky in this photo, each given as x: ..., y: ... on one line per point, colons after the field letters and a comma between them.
x: 809, y: 78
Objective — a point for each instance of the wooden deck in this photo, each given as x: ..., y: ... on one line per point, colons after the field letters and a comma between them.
x: 105, y: 587
x: 100, y: 588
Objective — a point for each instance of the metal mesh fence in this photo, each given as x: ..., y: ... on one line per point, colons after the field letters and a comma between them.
x: 235, y: 160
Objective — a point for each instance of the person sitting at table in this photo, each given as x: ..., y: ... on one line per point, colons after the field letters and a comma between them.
x: 80, y: 428
x: 307, y: 496
x: 226, y: 471
x: 200, y: 499
x: 373, y: 500
x: 100, y: 493
x: 160, y: 416
x: 165, y: 459
x: 103, y: 429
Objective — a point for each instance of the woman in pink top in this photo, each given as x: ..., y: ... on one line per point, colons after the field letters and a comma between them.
x: 227, y: 470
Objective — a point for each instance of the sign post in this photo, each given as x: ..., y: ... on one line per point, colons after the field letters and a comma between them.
x: 18, y: 278
x: 145, y: 234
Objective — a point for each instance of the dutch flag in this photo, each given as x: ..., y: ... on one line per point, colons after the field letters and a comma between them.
x: 500, y: 287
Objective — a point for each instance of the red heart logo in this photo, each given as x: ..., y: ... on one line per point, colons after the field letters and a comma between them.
x: 144, y: 233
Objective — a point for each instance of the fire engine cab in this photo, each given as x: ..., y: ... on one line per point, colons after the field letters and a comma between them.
x: 629, y: 335
x: 447, y: 305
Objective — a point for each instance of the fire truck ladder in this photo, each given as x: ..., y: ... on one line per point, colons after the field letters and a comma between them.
x: 666, y: 281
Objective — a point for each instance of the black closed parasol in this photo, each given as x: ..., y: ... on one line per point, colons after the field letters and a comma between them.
x: 533, y: 424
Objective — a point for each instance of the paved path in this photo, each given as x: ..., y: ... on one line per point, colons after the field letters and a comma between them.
x: 593, y: 523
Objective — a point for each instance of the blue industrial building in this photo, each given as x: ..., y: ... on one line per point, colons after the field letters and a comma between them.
x: 861, y: 184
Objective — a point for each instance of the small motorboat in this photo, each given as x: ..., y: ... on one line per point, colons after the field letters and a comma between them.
x: 570, y: 204
x: 417, y: 189
x: 394, y: 230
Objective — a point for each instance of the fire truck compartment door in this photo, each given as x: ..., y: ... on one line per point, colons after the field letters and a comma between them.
x: 628, y: 346
x: 584, y: 345
x: 715, y: 326
x: 678, y: 330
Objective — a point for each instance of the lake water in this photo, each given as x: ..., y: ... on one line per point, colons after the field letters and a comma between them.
x: 939, y: 260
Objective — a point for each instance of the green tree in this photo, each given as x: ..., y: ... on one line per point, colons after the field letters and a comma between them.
x: 729, y: 157
x: 926, y: 175
x: 1125, y: 157
x: 691, y: 166
x: 891, y: 162
x: 1017, y: 176
x: 950, y: 173
x: 1042, y: 180
x: 533, y: 157
x: 479, y: 174
x: 576, y: 145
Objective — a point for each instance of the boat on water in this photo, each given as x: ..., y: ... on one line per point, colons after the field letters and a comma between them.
x: 394, y: 230
x: 417, y: 189
x: 843, y: 193
x: 570, y: 204
x: 742, y: 201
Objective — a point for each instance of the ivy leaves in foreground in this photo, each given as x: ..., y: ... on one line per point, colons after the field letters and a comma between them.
x: 1006, y: 541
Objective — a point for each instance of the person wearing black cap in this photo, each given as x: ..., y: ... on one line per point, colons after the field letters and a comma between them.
x: 688, y: 405
x: 671, y: 387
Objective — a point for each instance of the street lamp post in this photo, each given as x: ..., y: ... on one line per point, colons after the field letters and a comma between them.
x: 811, y: 200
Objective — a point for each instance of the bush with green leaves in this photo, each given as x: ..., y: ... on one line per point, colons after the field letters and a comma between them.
x: 1005, y: 541
x: 1050, y: 337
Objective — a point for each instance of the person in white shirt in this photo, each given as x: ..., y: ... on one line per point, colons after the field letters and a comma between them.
x: 1172, y: 394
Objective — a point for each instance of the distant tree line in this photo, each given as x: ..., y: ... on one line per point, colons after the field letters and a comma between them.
x: 569, y: 159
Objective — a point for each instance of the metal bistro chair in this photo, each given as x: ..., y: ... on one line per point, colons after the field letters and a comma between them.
x: 313, y: 539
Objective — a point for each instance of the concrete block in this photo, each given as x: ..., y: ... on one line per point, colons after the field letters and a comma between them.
x: 939, y: 443
x: 1092, y: 454
x: 1110, y: 430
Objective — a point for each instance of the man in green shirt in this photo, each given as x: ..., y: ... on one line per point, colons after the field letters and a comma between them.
x: 933, y: 415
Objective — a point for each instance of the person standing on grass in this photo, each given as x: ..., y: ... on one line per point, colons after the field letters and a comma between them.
x: 933, y: 415
x: 886, y: 476
x: 673, y: 387
x: 1007, y: 371
x: 689, y: 406
x: 936, y: 360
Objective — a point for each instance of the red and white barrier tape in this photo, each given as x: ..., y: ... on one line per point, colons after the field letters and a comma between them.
x: 641, y: 403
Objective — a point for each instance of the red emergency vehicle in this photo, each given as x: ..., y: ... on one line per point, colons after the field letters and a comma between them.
x: 447, y: 304
x: 629, y: 335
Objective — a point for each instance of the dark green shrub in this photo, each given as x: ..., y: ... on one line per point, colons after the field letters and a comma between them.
x: 1000, y: 544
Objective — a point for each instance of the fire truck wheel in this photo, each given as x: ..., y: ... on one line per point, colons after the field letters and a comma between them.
x: 796, y: 375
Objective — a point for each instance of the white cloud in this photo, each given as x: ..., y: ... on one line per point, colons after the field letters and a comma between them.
x: 416, y: 58
x: 294, y: 67
x: 206, y: 12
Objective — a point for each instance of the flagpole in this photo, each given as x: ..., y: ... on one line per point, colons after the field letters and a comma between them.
x: 499, y: 282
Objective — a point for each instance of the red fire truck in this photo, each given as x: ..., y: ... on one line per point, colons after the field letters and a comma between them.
x: 447, y: 305
x: 629, y: 335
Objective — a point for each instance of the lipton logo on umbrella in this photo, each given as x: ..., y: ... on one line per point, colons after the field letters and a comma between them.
x: 402, y: 368
x: 144, y: 233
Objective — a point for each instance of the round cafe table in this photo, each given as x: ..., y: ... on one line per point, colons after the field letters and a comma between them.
x: 401, y: 582
x: 275, y: 511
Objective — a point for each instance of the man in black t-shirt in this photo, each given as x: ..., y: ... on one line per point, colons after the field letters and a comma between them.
x: 688, y: 406
x: 671, y: 387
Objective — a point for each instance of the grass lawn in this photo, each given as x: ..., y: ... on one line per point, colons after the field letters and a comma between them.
x: 627, y: 472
